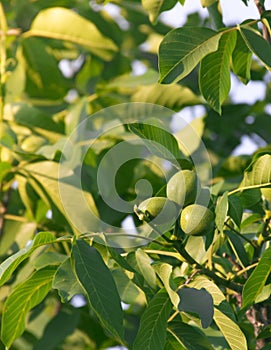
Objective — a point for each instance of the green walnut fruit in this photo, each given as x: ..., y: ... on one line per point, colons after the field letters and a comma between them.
x: 196, y: 220
x: 160, y: 210
x: 182, y: 187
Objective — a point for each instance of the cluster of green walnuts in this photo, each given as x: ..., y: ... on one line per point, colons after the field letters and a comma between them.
x: 182, y: 202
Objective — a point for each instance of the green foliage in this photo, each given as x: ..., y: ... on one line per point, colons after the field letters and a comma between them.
x: 92, y: 152
x: 188, y: 46
x: 256, y: 281
x: 214, y: 73
x: 152, y: 331
x: 24, y: 297
x: 99, y: 286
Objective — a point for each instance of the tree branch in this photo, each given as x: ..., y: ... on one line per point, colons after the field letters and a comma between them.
x: 218, y: 280
x: 179, y: 246
x: 261, y: 9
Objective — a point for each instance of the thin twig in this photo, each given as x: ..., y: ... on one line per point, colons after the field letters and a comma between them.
x: 218, y: 280
x: 247, y: 268
x: 171, y: 318
x: 179, y: 246
x: 241, y: 236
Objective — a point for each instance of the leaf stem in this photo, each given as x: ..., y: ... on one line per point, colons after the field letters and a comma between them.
x: 164, y: 253
x: 251, y: 187
x: 171, y: 318
x: 93, y: 235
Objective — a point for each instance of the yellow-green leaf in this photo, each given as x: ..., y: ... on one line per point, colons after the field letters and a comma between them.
x: 214, y: 76
x: 241, y: 59
x: 155, y: 7
x: 97, y: 281
x: 24, y: 297
x: 11, y: 263
x: 152, y: 330
x: 231, y: 331
x: 182, y: 49
x: 64, y: 24
x: 258, y: 174
x: 254, y: 285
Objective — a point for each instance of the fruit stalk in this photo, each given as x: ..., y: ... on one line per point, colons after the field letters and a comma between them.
x: 179, y: 246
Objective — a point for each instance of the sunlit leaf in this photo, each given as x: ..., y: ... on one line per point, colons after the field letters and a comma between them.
x: 214, y: 76
x: 24, y: 297
x: 203, y: 282
x: 127, y: 289
x: 265, y: 17
x: 187, y: 336
x: 190, y: 136
x: 231, y: 331
x: 173, y: 96
x: 48, y: 258
x: 241, y: 59
x: 18, y: 232
x: 11, y: 263
x: 5, y: 168
x: 66, y: 193
x: 144, y: 264
x: 182, y: 49
x: 264, y: 295
x: 152, y: 330
x: 221, y: 211
x: 257, y: 44
x: 164, y: 272
x: 37, y: 120
x: 55, y: 23
x: 100, y: 288
x: 128, y: 82
x: 15, y: 84
x: 258, y: 174
x: 257, y: 279
x: 163, y: 144
x: 66, y: 282
x: 217, y: 295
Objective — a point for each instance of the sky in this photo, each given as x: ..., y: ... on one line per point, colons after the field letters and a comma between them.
x: 234, y: 11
